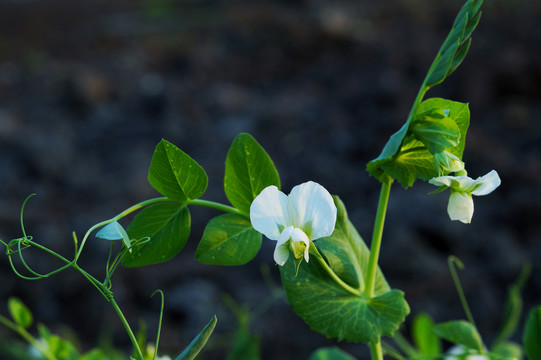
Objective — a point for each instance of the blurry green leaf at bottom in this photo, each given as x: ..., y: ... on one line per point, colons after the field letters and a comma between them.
x: 167, y: 225
x: 460, y: 332
x: 531, y: 338
x: 332, y: 353
x: 198, y: 342
x: 248, y: 170
x: 228, y: 240
x: 20, y: 313
x: 424, y: 338
x: 326, y: 306
x: 174, y: 174
x: 508, y: 350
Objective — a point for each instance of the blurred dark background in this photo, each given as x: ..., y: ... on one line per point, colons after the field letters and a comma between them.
x: 88, y: 88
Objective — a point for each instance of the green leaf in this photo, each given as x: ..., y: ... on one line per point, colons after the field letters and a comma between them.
x: 330, y: 353
x: 460, y: 332
x: 245, y: 345
x: 329, y: 309
x: 435, y: 130
x: 531, y: 338
x: 454, y: 48
x: 248, y: 170
x: 405, y: 158
x: 176, y: 175
x: 456, y: 111
x: 114, y: 231
x: 20, y: 313
x: 167, y: 225
x: 424, y: 338
x: 443, y: 65
x: 508, y: 350
x: 198, y: 342
x: 513, y: 307
x: 228, y: 240
x: 413, y: 162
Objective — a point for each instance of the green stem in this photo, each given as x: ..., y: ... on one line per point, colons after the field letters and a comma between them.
x: 376, y: 237
x: 118, y: 217
x: 128, y: 328
x: 335, y: 277
x: 214, y: 205
x: 376, y: 351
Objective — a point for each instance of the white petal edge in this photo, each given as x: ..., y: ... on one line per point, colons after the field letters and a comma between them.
x: 460, y: 206
x: 299, y: 235
x: 489, y: 182
x: 441, y: 181
x: 281, y: 251
x: 312, y: 210
x: 269, y: 212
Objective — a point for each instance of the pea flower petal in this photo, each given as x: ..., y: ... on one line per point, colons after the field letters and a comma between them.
x: 460, y: 205
x: 269, y: 212
x: 307, y: 214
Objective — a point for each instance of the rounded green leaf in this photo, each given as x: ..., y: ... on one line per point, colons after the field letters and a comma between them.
x: 20, y: 313
x: 531, y: 338
x: 331, y: 353
x: 456, y: 111
x: 435, y: 130
x: 174, y: 174
x: 424, y: 338
x: 228, y: 240
x: 460, y: 332
x: 168, y: 227
x: 248, y: 170
x: 329, y: 309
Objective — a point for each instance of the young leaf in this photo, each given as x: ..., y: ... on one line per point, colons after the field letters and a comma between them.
x: 443, y: 65
x: 167, y: 225
x: 424, y: 338
x: 531, y: 338
x: 176, y: 175
x: 248, y: 170
x: 458, y: 112
x: 460, y: 332
x: 326, y: 307
x: 198, y: 342
x: 330, y: 353
x: 405, y: 158
x: 435, y: 130
x: 114, y: 231
x: 454, y: 48
x: 20, y: 313
x: 228, y: 240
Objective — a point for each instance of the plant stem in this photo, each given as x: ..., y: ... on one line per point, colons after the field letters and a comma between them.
x: 376, y: 237
x: 376, y: 351
x: 127, y: 327
x: 214, y: 205
x: 335, y: 277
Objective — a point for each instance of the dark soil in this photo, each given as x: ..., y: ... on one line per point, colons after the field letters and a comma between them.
x: 87, y: 90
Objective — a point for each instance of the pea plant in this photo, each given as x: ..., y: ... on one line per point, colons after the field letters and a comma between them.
x: 330, y: 276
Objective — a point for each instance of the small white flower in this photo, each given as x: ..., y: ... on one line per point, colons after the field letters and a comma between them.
x: 307, y: 214
x: 462, y: 188
x: 459, y: 352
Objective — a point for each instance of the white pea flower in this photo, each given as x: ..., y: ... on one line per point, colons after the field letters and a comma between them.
x: 462, y: 188
x: 459, y: 352
x: 307, y: 214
